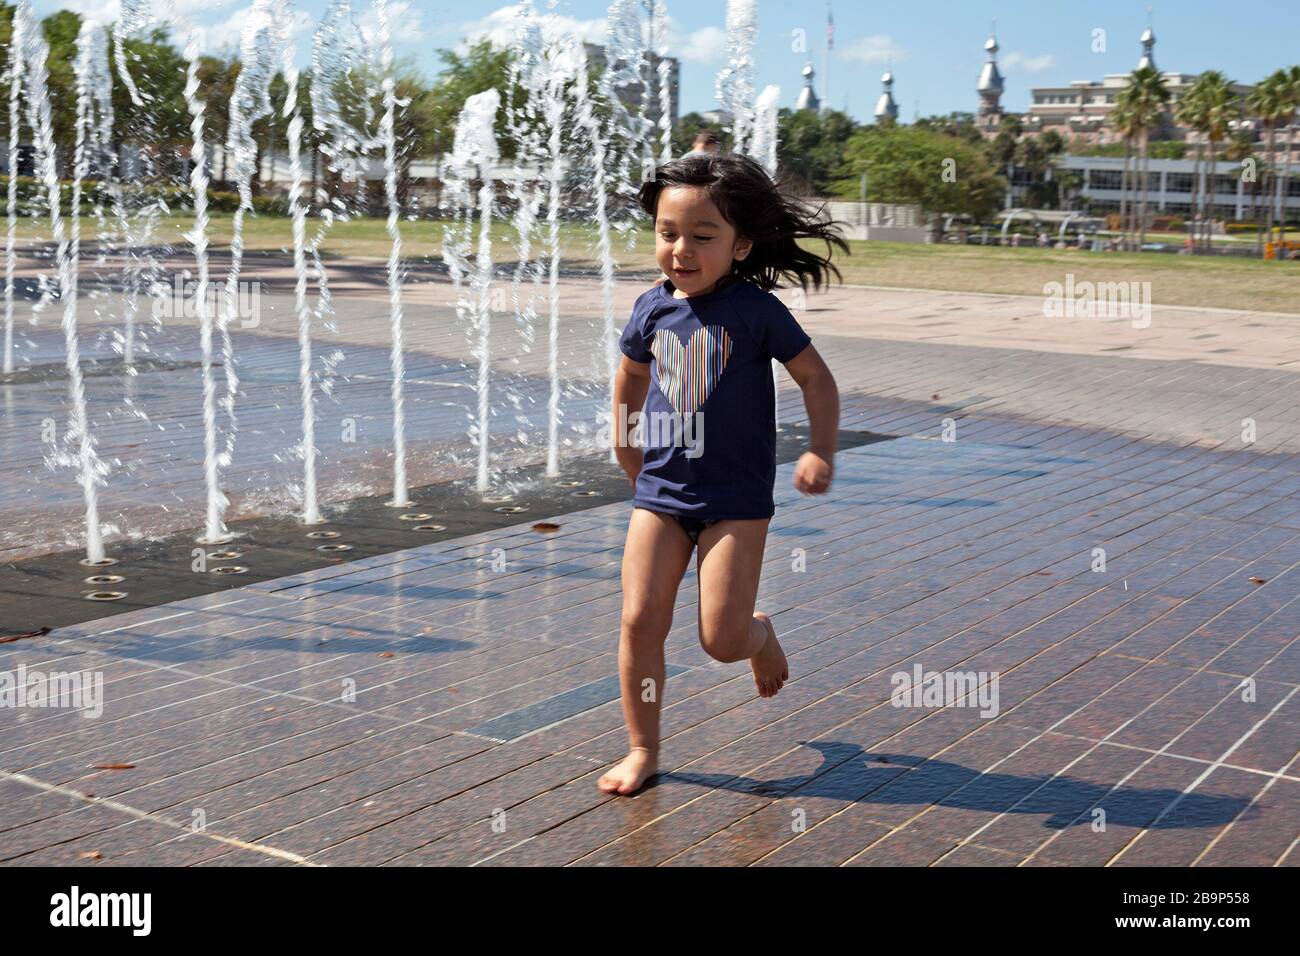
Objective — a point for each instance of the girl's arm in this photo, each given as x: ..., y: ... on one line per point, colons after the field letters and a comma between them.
x: 631, y: 383
x: 821, y: 397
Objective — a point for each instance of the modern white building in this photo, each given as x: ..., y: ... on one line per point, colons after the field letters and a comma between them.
x: 1170, y: 190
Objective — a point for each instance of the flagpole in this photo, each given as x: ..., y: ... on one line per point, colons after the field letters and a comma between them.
x: 826, y: 66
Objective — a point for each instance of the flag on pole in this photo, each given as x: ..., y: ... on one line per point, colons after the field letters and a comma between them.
x: 830, y: 28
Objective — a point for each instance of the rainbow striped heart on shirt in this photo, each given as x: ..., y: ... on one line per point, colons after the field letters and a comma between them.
x: 688, y: 373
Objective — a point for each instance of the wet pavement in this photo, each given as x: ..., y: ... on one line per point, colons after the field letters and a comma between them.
x: 1096, y: 556
x: 455, y: 703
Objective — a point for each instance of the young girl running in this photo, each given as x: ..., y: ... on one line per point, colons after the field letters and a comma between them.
x: 697, y: 372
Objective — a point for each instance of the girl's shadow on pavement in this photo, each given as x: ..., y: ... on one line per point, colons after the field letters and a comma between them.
x: 852, y: 775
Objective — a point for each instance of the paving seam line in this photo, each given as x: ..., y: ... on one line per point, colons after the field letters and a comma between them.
x: 153, y: 818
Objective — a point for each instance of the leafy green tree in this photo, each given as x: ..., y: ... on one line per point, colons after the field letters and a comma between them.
x: 908, y: 165
x: 960, y: 125
x: 482, y: 67
x: 811, y: 148
x: 1040, y: 155
x: 216, y: 85
x: 1292, y: 99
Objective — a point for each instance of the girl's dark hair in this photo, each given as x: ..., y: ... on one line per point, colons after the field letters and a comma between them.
x: 773, y: 221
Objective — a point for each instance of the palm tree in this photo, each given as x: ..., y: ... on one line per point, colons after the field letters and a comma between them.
x: 1267, y: 101
x: 1214, y: 91
x: 1291, y: 101
x: 1121, y: 118
x: 1240, y: 151
x: 1054, y: 145
x: 1190, y: 112
x: 1145, y: 99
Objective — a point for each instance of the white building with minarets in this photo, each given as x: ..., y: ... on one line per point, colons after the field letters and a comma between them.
x: 1079, y: 111
x: 1148, y: 41
x: 808, y: 96
x: 989, y: 87
x: 886, y: 109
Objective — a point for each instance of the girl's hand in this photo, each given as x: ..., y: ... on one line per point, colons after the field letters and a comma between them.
x: 812, y: 474
x: 630, y: 459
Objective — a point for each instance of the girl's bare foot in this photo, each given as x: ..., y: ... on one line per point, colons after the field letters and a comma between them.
x: 631, y: 772
x: 770, y: 668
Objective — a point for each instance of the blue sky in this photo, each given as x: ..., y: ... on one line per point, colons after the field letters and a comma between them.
x: 933, y: 46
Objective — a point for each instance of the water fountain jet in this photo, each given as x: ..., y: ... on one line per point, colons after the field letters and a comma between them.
x: 474, y: 149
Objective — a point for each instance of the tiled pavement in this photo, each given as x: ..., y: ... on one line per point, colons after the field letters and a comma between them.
x: 439, y: 706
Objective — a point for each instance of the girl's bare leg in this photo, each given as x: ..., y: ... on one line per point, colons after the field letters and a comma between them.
x: 730, y: 563
x: 655, y: 557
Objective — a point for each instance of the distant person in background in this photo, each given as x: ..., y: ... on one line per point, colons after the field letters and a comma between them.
x: 706, y: 144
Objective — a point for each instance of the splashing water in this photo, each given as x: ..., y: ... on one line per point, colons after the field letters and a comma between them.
x: 249, y: 102
x: 524, y: 127
x: 134, y: 16
x: 93, y: 44
x: 659, y: 30
x: 338, y: 54
x: 625, y: 55
x: 298, y: 213
x: 474, y: 148
x: 388, y: 135
x: 546, y: 62
x: 339, y: 57
x: 94, y: 99
x: 625, y: 135
x: 215, y: 528
x: 762, y: 145
x: 30, y: 40
x: 604, y: 245
x: 735, y: 85
x: 561, y: 68
x: 14, y: 74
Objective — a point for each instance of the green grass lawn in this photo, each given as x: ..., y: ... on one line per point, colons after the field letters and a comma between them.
x: 1229, y: 283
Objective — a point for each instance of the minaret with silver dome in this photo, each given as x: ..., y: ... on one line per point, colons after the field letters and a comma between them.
x: 808, y: 96
x: 1148, y: 49
x: 886, y: 108
x: 989, y: 88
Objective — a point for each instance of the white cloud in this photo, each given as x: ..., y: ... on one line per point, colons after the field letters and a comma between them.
x: 499, y: 27
x: 221, y: 20
x: 707, y: 45
x: 103, y: 12
x: 404, y: 24
x: 876, y: 48
x: 1027, y: 63
x: 223, y: 35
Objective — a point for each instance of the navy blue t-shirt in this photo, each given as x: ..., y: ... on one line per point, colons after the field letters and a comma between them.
x: 709, y: 423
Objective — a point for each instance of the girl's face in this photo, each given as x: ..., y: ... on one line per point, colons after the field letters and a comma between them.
x: 694, y: 245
